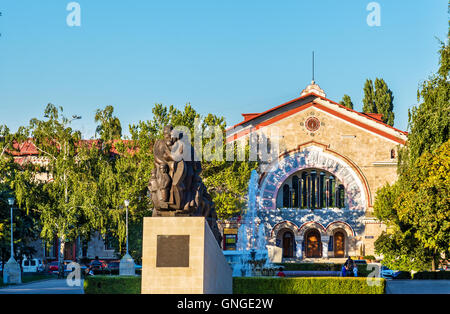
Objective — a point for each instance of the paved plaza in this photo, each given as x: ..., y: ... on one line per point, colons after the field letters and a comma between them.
x: 418, y: 287
x: 53, y: 286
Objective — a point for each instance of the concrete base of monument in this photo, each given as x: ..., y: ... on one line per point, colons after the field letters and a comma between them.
x: 180, y: 255
x: 12, y: 273
x: 126, y: 266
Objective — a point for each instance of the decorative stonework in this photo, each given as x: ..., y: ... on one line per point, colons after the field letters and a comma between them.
x: 311, y: 157
x: 312, y: 124
x: 350, y: 218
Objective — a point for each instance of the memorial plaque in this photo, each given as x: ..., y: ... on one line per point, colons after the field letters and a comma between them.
x: 172, y: 251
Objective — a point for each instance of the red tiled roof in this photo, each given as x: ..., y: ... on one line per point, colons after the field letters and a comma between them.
x: 27, y: 148
x: 373, y: 117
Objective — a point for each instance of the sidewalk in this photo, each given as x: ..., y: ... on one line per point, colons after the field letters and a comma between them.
x: 52, y: 286
x: 418, y: 287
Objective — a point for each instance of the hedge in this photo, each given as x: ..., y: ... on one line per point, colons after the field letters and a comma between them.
x: 432, y: 275
x: 363, y: 271
x: 112, y: 285
x: 310, y: 266
x: 321, y: 285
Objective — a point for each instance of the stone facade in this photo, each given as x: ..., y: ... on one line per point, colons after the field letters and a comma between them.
x: 356, y: 150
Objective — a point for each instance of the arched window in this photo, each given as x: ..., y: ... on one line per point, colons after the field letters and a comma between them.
x: 296, y: 191
x: 392, y: 153
x: 312, y: 189
x: 286, y: 192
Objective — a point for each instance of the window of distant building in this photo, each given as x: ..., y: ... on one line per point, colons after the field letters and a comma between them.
x: 229, y: 239
x: 313, y: 189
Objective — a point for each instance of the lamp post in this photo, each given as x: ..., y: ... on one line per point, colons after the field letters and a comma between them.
x: 11, y: 204
x: 126, y: 202
x: 12, y: 273
x: 126, y: 266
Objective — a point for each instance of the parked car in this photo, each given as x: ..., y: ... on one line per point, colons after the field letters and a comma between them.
x: 98, y: 265
x: 387, y: 273
x: 53, y: 267
x: 33, y: 265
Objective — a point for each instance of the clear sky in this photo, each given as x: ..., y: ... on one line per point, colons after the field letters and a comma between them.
x: 225, y: 57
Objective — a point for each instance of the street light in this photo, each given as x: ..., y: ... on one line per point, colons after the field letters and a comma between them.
x: 11, y: 271
x: 126, y: 266
x: 11, y: 203
x: 127, y: 202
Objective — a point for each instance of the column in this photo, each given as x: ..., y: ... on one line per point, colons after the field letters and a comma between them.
x: 299, y: 245
x: 325, y: 240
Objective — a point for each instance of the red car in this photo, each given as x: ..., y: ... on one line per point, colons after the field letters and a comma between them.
x: 53, y: 267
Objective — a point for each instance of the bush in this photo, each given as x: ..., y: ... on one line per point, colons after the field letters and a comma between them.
x: 310, y: 266
x: 363, y: 270
x: 112, y: 285
x: 432, y: 275
x: 325, y: 285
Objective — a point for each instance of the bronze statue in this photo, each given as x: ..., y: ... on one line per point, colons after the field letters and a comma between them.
x: 176, y: 186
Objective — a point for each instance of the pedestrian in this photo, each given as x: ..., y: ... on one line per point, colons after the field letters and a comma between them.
x: 355, y: 271
x: 281, y: 273
x: 349, y: 265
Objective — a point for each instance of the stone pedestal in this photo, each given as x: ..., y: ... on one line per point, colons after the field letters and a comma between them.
x: 12, y: 273
x: 180, y: 255
x: 275, y: 253
x: 126, y: 266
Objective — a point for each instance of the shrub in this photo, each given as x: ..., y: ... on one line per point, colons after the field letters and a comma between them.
x: 432, y: 275
x: 321, y: 285
x: 112, y: 285
x: 310, y: 266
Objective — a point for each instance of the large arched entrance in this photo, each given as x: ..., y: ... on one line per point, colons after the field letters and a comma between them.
x: 339, y: 244
x: 313, y: 244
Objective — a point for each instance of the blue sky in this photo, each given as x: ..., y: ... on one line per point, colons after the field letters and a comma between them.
x: 225, y: 57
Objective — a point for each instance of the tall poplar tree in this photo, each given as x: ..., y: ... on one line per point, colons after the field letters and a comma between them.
x: 384, y: 101
x: 346, y: 101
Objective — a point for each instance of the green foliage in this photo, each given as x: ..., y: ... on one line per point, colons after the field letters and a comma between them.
x: 109, y: 127
x: 311, y: 266
x: 384, y: 101
x: 378, y: 98
x: 112, y: 285
x: 429, y: 122
x: 325, y: 285
x: 416, y: 207
x: 346, y: 101
x: 369, y: 98
x: 363, y: 271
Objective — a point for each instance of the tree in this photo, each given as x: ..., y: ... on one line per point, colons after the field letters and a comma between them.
x: 416, y: 207
x: 379, y: 99
x: 416, y: 210
x: 346, y: 101
x: 66, y: 187
x: 109, y: 128
x: 369, y: 98
x: 384, y: 101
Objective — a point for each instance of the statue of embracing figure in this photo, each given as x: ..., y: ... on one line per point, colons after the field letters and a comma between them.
x: 176, y: 186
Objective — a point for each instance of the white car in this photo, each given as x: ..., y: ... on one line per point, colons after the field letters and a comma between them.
x: 33, y: 265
